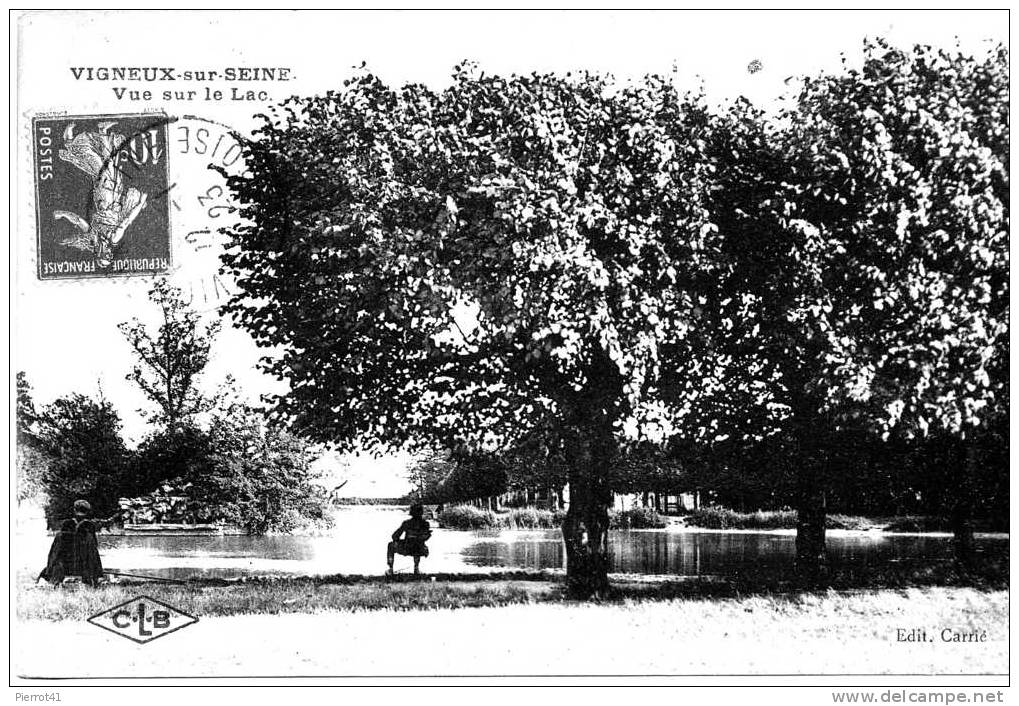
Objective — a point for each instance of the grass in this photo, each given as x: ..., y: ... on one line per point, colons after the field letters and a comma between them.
x: 353, y: 593
x: 465, y: 517
x: 822, y: 632
x: 271, y: 597
x: 716, y: 517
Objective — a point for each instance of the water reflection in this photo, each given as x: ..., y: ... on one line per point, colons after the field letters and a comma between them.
x: 699, y: 553
x: 356, y: 545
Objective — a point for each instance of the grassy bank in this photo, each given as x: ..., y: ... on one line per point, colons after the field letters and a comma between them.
x: 715, y: 517
x: 273, y: 595
x: 466, y: 517
x: 285, y: 596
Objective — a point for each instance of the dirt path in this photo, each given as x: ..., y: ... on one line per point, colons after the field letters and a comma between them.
x: 837, y: 633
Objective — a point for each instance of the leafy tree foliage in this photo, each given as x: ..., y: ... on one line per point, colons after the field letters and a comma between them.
x: 866, y: 242
x: 86, y: 456
x: 427, y: 474
x: 236, y: 471
x: 579, y: 268
x: 480, y: 267
x: 164, y: 455
x: 462, y: 476
x: 30, y: 460
x: 258, y: 477
x: 171, y: 359
x: 904, y: 170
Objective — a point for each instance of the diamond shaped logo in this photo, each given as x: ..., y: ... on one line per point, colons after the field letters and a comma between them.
x: 142, y: 619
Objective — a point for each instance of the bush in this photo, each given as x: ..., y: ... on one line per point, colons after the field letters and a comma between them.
x: 848, y: 522
x: 715, y: 517
x: 238, y: 473
x: 637, y: 518
x: 169, y: 503
x: 166, y: 455
x: 466, y: 517
x: 533, y: 518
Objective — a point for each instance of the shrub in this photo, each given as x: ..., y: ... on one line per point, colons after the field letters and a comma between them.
x: 168, y: 503
x: 637, y: 518
x: 524, y: 518
x: 533, y: 518
x: 848, y: 522
x: 466, y: 517
x: 238, y: 473
x: 715, y: 517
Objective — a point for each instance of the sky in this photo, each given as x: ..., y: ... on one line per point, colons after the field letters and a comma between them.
x: 65, y: 332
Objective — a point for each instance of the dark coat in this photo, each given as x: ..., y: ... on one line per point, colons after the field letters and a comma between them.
x: 74, y: 552
x: 410, y: 538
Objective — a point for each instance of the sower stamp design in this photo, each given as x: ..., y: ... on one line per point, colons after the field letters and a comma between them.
x: 101, y: 185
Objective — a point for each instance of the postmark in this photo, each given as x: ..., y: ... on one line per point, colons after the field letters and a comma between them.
x: 101, y: 183
x: 202, y: 152
x: 201, y: 204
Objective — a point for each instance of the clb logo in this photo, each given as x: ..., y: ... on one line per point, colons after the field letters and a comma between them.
x: 142, y: 619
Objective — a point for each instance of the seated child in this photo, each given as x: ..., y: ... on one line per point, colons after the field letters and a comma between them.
x: 409, y: 539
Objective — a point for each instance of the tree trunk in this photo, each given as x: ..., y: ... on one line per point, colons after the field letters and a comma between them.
x: 590, y: 447
x: 586, y: 527
x: 810, y: 521
x: 962, y: 511
x: 585, y: 533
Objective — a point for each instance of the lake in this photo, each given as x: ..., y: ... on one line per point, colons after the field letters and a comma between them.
x: 357, y: 545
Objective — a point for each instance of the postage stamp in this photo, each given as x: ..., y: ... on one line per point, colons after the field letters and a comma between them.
x: 101, y: 184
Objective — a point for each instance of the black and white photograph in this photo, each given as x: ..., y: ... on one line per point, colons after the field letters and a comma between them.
x: 417, y: 348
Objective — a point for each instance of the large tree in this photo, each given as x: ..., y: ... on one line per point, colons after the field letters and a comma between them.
x: 866, y: 241
x: 498, y: 264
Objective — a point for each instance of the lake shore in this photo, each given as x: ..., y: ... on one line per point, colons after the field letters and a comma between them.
x: 274, y: 594
x: 333, y: 630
